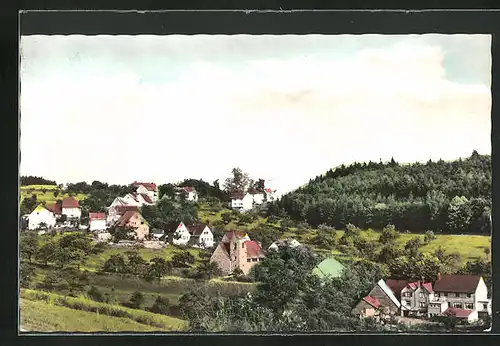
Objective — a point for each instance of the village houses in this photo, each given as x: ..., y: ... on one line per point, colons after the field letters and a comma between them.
x: 71, y: 208
x: 189, y: 192
x: 200, y: 232
x: 236, y: 250
x: 41, y: 216
x: 148, y: 189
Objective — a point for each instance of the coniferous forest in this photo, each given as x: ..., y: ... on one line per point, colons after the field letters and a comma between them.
x: 445, y: 197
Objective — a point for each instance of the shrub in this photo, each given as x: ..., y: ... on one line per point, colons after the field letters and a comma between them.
x: 136, y: 300
x: 160, y: 306
x: 95, y: 294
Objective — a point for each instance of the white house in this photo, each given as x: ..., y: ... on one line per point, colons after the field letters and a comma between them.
x: 459, y: 295
x: 97, y: 221
x: 71, y: 208
x: 270, y: 194
x: 258, y: 198
x: 41, y: 216
x: 190, y: 192
x: 131, y: 199
x: 149, y: 189
x: 202, y: 232
x: 242, y: 202
x: 415, y: 298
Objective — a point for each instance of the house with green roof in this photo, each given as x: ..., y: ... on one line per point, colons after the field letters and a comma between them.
x: 329, y: 268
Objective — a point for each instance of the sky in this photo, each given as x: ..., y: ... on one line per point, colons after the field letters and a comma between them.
x: 284, y: 108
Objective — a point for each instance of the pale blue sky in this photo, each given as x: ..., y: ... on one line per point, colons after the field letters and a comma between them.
x: 165, y: 108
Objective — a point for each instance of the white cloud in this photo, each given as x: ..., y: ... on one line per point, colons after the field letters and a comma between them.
x: 289, y: 119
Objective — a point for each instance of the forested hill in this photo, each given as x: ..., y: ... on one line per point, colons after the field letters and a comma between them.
x: 448, y: 197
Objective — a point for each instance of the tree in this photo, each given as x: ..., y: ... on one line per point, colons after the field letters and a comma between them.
x: 259, y: 185
x: 238, y: 183
x: 115, y: 264
x: 458, y: 214
x: 429, y: 236
x: 136, y: 300
x: 158, y: 267
x: 120, y: 233
x: 183, y: 259
x: 95, y: 294
x: 412, y: 246
x: 160, y: 306
x: 28, y: 204
x: 209, y: 269
x: 29, y: 245
x: 26, y: 273
x: 388, y: 253
x: 389, y: 234
x: 47, y: 252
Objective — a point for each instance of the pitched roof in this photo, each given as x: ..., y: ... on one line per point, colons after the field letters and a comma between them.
x: 54, y: 207
x: 372, y: 301
x: 97, y: 216
x: 329, y: 268
x: 460, y: 313
x: 396, y: 286
x: 187, y: 188
x: 457, y: 283
x: 417, y: 284
x: 237, y: 195
x: 146, y: 198
x: 268, y: 190
x: 196, y: 229
x: 231, y: 234
x: 253, y: 249
x: 125, y: 218
x: 148, y: 186
x: 388, y: 291
x: 122, y: 209
x: 70, y: 202
x: 40, y: 207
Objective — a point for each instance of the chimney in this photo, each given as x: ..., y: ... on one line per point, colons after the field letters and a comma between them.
x: 438, y: 277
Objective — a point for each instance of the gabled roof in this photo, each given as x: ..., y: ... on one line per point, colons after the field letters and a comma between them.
x: 70, y: 202
x: 148, y: 186
x: 329, y: 268
x: 460, y: 313
x: 457, y: 283
x: 97, y: 216
x: 388, y: 292
x: 417, y: 284
x: 122, y: 209
x: 39, y: 208
x: 146, y: 198
x: 54, y: 207
x: 238, y: 234
x: 196, y: 229
x: 396, y: 286
x: 253, y: 249
x: 372, y: 301
x: 125, y: 218
x: 187, y: 189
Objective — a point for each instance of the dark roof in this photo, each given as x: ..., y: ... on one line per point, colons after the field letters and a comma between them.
x: 237, y: 195
x: 396, y: 286
x: 124, y: 219
x: 146, y: 198
x: 457, y: 283
x: 417, y: 284
x: 196, y: 229
x: 187, y: 188
x: 122, y: 209
x: 149, y: 186
x: 70, y: 202
x: 231, y: 234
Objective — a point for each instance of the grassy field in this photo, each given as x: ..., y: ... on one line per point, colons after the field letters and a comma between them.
x: 39, y: 316
x: 45, y: 193
x: 83, y: 304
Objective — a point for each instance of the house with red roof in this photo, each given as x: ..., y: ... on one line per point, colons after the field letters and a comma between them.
x: 97, y: 221
x: 133, y: 220
x: 462, y: 294
x: 381, y: 301
x: 236, y: 250
x: 149, y: 189
x: 200, y: 232
x: 415, y: 298
x: 71, y: 208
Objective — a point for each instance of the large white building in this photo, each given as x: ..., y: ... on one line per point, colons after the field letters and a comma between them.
x: 201, y: 232
x: 40, y: 217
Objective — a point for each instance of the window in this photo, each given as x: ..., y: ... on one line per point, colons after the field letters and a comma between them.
x: 469, y: 295
x: 446, y: 294
x: 469, y: 306
x: 485, y: 306
x: 458, y: 305
x: 407, y: 302
x: 248, y: 259
x: 242, y: 245
x: 234, y: 246
x: 254, y: 259
x: 407, y: 294
x: 421, y: 295
x: 422, y: 304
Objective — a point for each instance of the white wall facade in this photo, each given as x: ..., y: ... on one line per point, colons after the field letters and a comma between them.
x: 181, y: 235
x: 97, y: 225
x: 72, y: 212
x: 39, y: 216
x: 206, y: 238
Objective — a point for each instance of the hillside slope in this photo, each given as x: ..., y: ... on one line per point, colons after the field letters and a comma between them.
x: 452, y: 197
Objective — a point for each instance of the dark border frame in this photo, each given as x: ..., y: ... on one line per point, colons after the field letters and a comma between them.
x: 229, y: 22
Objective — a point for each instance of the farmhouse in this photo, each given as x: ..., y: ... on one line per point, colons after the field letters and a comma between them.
x: 201, y: 233
x: 415, y: 297
x: 242, y: 202
x: 133, y: 219
x: 55, y: 208
x: 236, y: 250
x: 97, y: 221
x: 117, y: 208
x: 282, y: 243
x: 71, y: 208
x: 41, y: 217
x: 149, y: 189
x: 380, y: 300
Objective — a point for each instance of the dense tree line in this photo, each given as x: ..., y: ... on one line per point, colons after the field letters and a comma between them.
x: 449, y: 197
x: 32, y: 180
x: 206, y: 190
